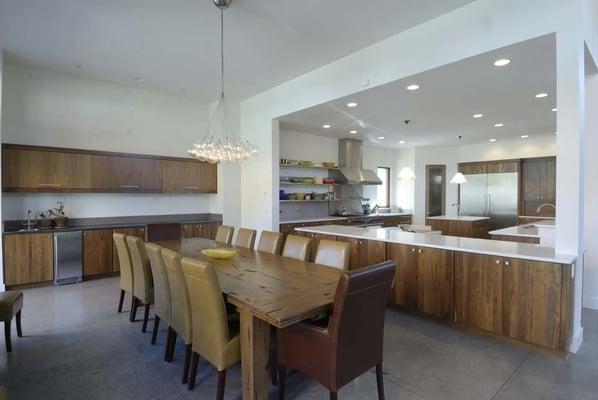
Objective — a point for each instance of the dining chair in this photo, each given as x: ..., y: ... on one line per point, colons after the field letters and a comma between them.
x: 180, y: 316
x: 11, y: 304
x: 270, y: 242
x: 215, y: 336
x: 353, y: 339
x: 296, y: 247
x: 143, y: 287
x: 126, y: 272
x: 333, y: 254
x: 224, y: 234
x: 161, y: 288
x: 246, y: 238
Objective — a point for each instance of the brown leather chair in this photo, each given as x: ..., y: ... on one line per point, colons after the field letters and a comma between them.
x: 351, y: 343
x: 180, y: 316
x: 270, y: 242
x: 11, y: 303
x: 143, y: 285
x: 214, y: 337
x: 126, y: 272
x: 246, y: 238
x: 224, y: 234
x: 333, y: 254
x: 161, y: 288
x: 296, y: 247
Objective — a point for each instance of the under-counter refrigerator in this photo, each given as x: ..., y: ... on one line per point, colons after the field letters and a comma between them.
x: 491, y: 195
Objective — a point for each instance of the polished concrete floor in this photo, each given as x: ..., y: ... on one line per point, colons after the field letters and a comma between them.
x: 77, y: 347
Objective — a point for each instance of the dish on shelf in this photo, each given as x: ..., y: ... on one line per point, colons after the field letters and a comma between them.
x: 308, y: 180
x: 318, y: 180
x: 295, y: 180
x: 328, y: 164
x: 304, y: 163
x: 319, y: 196
x: 300, y: 196
x: 219, y: 254
x: 328, y: 181
x: 291, y: 196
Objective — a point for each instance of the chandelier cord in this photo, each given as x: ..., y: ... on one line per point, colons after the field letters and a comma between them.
x: 222, y: 52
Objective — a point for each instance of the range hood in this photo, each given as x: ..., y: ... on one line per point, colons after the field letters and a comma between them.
x: 350, y: 164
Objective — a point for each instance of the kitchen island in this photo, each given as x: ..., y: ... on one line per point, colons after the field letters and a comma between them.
x: 465, y: 226
x: 515, y: 290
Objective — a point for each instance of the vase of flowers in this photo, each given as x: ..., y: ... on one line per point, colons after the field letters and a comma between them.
x: 45, y: 222
x: 59, y: 215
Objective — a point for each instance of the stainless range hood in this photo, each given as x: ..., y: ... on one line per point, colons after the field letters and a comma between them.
x: 350, y: 164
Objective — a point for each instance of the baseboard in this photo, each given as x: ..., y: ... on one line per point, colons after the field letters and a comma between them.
x: 576, y: 341
x: 590, y: 302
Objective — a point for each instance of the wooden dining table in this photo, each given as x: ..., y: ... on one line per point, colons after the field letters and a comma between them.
x: 267, y: 290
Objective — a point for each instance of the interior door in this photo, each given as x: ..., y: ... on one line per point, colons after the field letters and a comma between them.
x: 473, y: 195
x: 502, y: 200
x: 435, y: 190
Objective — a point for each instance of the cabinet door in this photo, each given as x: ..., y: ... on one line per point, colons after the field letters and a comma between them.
x: 126, y: 174
x: 478, y: 291
x: 188, y: 176
x: 435, y: 282
x: 139, y: 232
x: 405, y: 219
x: 28, y: 258
x: 391, y: 221
x: 209, y: 229
x: 97, y: 252
x: 189, y: 231
x: 532, y: 302
x: 375, y: 252
x: 539, y: 185
x: 405, y: 287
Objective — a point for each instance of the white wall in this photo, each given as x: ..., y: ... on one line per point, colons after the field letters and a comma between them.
x: 53, y: 109
x: 1, y: 247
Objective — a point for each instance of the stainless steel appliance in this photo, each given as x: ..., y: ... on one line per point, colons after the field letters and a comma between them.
x: 68, y: 257
x: 365, y: 221
x: 491, y: 195
x: 350, y: 161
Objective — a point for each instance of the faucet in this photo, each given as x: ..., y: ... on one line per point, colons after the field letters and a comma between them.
x: 375, y: 209
x: 544, y: 205
x: 458, y: 205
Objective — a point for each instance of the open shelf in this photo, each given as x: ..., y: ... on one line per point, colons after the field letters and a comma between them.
x: 304, y: 167
x: 308, y: 201
x: 307, y: 184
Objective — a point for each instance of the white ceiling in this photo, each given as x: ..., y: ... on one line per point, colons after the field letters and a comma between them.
x: 448, y: 96
x: 174, y: 44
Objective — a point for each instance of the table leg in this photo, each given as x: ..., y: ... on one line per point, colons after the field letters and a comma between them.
x: 255, y: 343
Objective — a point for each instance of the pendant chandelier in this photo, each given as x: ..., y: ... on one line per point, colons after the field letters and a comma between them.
x: 220, y: 144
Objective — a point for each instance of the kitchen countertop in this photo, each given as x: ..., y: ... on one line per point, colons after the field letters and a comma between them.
x: 525, y: 230
x: 336, y: 218
x: 498, y: 248
x: 461, y: 218
x: 75, y: 224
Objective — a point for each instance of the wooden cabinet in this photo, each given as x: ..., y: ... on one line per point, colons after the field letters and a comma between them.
x: 205, y: 230
x: 423, y: 279
x: 538, y: 184
x: 122, y: 174
x: 97, y: 252
x: 189, y: 176
x: 134, y: 231
x: 364, y: 252
x: 518, y: 239
x: 462, y: 228
x: 28, y: 258
x: 396, y: 220
x: 489, y: 167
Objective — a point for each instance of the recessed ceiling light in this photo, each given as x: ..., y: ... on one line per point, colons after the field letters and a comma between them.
x: 524, y: 136
x: 478, y: 115
x: 380, y: 137
x: 185, y: 90
x: 555, y: 133
x: 492, y: 140
x: 554, y: 109
x: 502, y: 62
x: 541, y: 95
x: 412, y: 87
x: 139, y: 79
x: 351, y: 104
x: 353, y: 132
x: 402, y: 142
x: 326, y: 126
x: 498, y: 125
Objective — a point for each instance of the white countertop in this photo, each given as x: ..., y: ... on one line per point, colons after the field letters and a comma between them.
x: 498, y: 248
x: 321, y: 219
x: 526, y: 230
x: 461, y: 218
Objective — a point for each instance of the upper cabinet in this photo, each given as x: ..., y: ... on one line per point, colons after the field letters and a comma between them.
x: 538, y: 186
x: 489, y: 167
x: 45, y: 169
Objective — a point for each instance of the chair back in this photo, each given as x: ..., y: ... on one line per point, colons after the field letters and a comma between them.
x: 356, y: 322
x: 270, y: 242
x: 333, y: 254
x: 161, y: 285
x: 124, y: 260
x: 246, y: 238
x: 208, y: 311
x: 224, y: 234
x: 180, y: 306
x: 296, y: 247
x: 143, y: 284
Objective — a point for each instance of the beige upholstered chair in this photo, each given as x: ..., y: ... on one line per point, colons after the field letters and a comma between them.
x: 180, y: 316
x: 296, y: 247
x: 246, y: 238
x: 333, y: 254
x: 143, y: 284
x: 270, y: 242
x: 11, y: 303
x: 161, y: 288
x: 214, y: 338
x: 126, y: 271
x: 225, y: 234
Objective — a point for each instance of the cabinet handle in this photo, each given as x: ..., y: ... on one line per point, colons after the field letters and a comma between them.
x: 192, y: 187
x: 129, y: 186
x: 413, y: 250
x: 507, y: 263
x: 49, y: 184
x: 419, y: 250
x: 497, y: 261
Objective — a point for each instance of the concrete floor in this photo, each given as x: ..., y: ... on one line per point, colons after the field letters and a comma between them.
x: 77, y: 347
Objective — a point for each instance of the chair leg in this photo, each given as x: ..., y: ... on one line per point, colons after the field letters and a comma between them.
x: 134, y: 304
x: 18, y: 318
x: 145, y: 318
x: 121, y: 300
x: 167, y: 348
x: 282, y: 375
x: 333, y: 395
x: 380, y: 381
x: 7, y: 336
x: 155, y: 331
x: 193, y: 370
x: 187, y: 363
x: 172, y: 346
x: 221, y: 384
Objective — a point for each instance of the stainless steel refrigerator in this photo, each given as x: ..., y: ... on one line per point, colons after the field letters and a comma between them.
x: 491, y: 195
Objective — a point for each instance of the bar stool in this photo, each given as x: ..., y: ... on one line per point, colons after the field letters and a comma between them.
x: 11, y: 303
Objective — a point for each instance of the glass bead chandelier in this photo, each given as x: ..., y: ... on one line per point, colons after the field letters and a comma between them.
x: 220, y: 144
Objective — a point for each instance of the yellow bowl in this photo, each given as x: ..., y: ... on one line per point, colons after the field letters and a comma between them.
x: 219, y: 254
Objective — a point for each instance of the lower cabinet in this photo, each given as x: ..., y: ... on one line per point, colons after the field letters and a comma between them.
x: 139, y: 232
x: 315, y: 242
x: 205, y: 230
x: 28, y: 258
x: 364, y: 252
x: 475, y: 229
x: 97, y: 252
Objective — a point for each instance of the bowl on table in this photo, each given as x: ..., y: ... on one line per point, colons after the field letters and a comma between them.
x: 219, y: 254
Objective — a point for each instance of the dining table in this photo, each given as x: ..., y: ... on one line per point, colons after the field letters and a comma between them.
x: 267, y: 290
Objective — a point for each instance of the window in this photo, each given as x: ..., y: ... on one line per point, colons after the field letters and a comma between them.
x: 383, y: 191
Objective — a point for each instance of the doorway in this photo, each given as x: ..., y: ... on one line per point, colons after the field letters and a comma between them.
x: 435, y: 190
